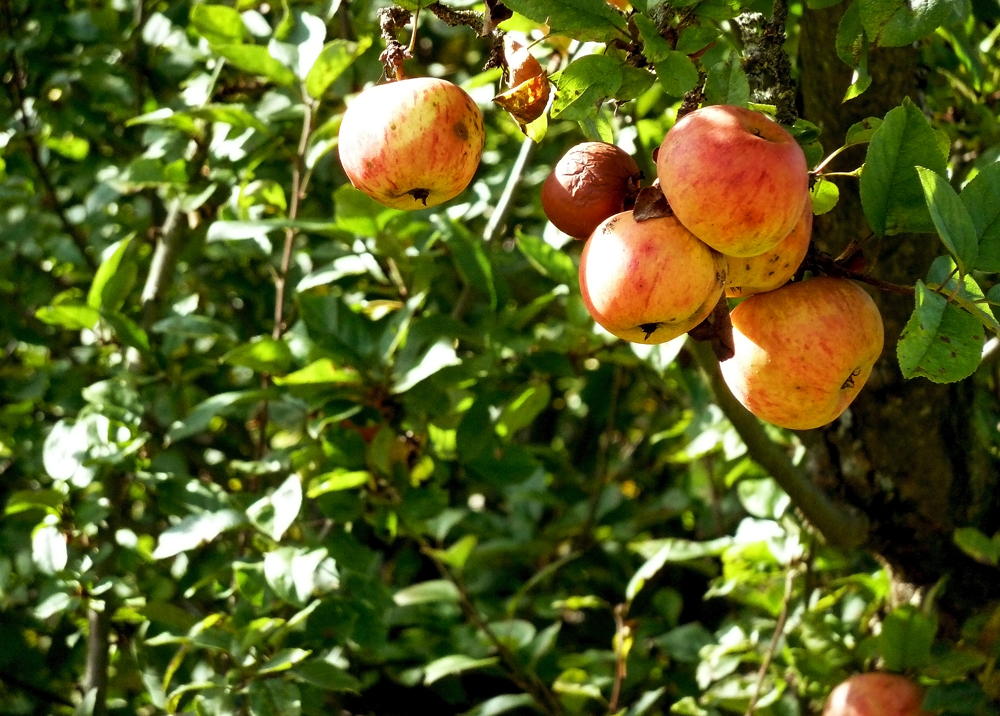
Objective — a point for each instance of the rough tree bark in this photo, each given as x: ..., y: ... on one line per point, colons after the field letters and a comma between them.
x: 907, y: 454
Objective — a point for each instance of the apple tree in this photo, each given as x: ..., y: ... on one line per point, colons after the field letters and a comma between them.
x: 270, y: 447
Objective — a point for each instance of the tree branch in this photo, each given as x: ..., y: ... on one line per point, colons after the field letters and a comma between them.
x: 161, y: 269
x: 840, y: 525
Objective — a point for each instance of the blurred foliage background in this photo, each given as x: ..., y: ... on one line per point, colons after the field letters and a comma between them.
x: 422, y: 482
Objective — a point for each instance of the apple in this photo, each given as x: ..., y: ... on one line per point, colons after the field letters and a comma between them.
x: 736, y: 179
x: 876, y: 694
x: 772, y: 269
x: 591, y: 182
x: 413, y: 143
x: 803, y: 351
x: 649, y: 281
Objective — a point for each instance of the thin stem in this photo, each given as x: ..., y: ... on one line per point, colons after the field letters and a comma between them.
x: 299, y: 179
x: 833, y: 155
x: 840, y: 525
x: 525, y: 680
x: 779, y: 628
x: 623, y: 634
x: 161, y: 268
x: 513, y: 181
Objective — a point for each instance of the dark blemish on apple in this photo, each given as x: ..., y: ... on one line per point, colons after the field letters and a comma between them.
x: 420, y: 194
x: 461, y: 131
x: 849, y: 383
x: 748, y: 266
x: 649, y: 329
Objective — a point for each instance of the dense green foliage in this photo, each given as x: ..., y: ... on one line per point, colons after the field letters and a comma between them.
x: 425, y: 483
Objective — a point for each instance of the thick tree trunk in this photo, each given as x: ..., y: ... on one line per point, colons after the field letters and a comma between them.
x: 906, y: 453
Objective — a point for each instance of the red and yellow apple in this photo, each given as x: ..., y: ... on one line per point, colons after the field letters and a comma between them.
x: 736, y: 179
x: 876, y: 694
x: 588, y: 184
x: 649, y: 281
x: 413, y: 143
x: 803, y: 351
x: 772, y: 269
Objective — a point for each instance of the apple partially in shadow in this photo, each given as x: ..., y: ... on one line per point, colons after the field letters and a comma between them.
x: 772, y: 269
x: 803, y: 351
x: 649, y: 281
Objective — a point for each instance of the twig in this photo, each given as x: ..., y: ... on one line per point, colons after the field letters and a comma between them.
x: 779, y: 628
x: 840, y: 525
x: 525, y: 680
x: 513, y: 181
x: 161, y: 268
x: 622, y: 633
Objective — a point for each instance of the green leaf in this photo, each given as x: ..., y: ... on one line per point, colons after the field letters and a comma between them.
x: 218, y: 24
x: 696, y: 37
x: 69, y: 316
x: 335, y: 58
x: 146, y: 173
x: 891, y: 192
x: 895, y: 23
x: 469, y: 254
x: 677, y: 74
x: 981, y: 198
x: 521, y: 411
x: 583, y: 85
x: 339, y: 479
x: 358, y: 213
x: 274, y: 697
x: 548, y: 261
x: 501, y: 705
x: 275, y: 513
x: 654, y: 47
x: 727, y: 83
x: 48, y: 501
x: 325, y: 675
x: 194, y: 531
x: 437, y: 590
x: 321, y: 372
x: 301, y: 45
x: 671, y: 550
x: 825, y: 195
x: 256, y: 60
x: 284, y: 660
x: 69, y: 146
x: 952, y: 220
x: 906, y: 638
x: 454, y: 664
x: 862, y: 132
x: 441, y: 354
x: 114, y: 279
x: 262, y: 354
x: 48, y: 549
x: 458, y: 553
x: 852, y: 47
x: 200, y: 418
x: 940, y: 342
x: 128, y: 331
x: 977, y: 545
x: 584, y: 20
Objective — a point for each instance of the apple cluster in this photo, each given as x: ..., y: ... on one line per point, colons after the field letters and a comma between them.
x: 738, y: 225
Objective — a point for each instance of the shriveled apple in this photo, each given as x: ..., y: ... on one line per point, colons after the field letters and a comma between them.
x: 413, y: 143
x: 876, y: 694
x: 592, y: 181
x: 803, y: 351
x: 772, y: 269
x: 736, y: 179
x: 649, y: 281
